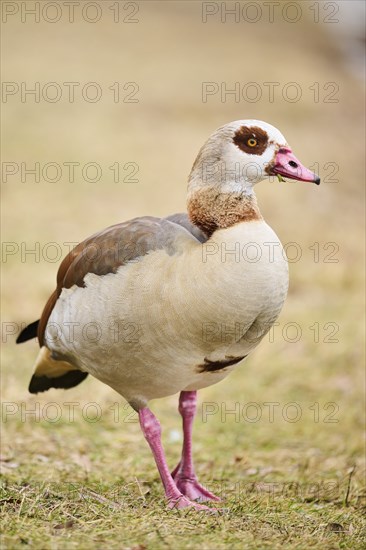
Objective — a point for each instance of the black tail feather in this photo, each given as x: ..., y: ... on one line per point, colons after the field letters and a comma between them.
x: 28, y: 332
x: 66, y: 381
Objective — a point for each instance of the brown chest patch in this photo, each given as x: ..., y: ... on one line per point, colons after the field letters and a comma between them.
x: 212, y: 366
x: 210, y: 210
x: 251, y: 139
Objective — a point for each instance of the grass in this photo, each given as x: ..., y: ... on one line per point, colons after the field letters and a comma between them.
x: 76, y: 481
x: 272, y: 498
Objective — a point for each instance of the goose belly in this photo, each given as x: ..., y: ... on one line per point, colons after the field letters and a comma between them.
x: 165, y: 323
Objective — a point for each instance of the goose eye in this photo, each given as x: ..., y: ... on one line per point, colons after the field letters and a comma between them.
x: 252, y: 142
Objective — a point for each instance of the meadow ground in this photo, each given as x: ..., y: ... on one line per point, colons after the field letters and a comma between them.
x: 281, y: 439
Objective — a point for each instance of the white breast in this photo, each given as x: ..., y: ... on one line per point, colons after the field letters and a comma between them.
x: 146, y: 329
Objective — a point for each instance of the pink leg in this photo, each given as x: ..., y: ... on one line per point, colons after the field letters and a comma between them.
x: 151, y: 429
x: 184, y: 474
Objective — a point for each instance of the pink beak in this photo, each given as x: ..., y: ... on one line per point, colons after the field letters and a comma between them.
x: 287, y: 165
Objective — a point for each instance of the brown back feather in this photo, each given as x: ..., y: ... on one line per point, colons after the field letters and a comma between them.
x: 106, y: 251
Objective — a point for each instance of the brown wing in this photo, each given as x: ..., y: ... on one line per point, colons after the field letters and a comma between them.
x: 106, y: 251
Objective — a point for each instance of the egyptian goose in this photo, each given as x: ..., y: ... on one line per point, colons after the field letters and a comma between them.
x: 141, y: 304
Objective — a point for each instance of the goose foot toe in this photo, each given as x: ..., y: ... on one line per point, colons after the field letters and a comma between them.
x: 194, y: 490
x: 184, y: 502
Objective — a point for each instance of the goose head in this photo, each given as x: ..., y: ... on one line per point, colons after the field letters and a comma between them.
x: 233, y: 159
x: 243, y: 153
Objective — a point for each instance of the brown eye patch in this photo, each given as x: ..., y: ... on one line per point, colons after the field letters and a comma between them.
x: 251, y: 139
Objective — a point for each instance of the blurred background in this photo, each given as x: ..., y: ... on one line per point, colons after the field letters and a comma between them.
x: 162, y: 75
